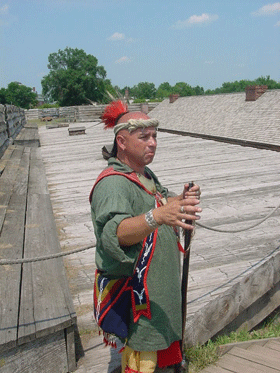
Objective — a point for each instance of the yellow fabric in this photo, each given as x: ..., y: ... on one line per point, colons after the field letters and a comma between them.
x: 139, y: 361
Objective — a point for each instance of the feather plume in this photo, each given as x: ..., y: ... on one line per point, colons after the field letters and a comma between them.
x: 113, y: 112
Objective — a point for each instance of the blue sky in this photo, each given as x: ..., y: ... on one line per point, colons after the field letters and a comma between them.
x: 200, y: 42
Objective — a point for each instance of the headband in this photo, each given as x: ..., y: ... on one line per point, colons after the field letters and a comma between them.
x: 132, y: 124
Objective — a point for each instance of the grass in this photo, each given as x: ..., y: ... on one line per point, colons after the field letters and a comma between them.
x: 201, y: 356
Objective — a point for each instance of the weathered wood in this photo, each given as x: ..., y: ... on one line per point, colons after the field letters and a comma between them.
x: 47, y: 354
x: 36, y: 309
x: 265, y: 358
x: 70, y: 348
x: 223, y: 349
x: 11, y: 247
x: 56, y: 125
x: 261, y: 355
x: 77, y: 131
x: 244, y: 305
x: 46, y: 308
x: 5, y: 158
x: 239, y: 365
x: 28, y: 136
x: 215, y: 369
x: 273, y: 344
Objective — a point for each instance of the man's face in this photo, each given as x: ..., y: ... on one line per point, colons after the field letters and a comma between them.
x: 140, y: 145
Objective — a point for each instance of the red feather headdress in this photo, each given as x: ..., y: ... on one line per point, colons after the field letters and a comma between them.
x: 113, y: 112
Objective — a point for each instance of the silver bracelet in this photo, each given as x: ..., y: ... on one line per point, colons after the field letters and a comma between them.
x: 149, y: 217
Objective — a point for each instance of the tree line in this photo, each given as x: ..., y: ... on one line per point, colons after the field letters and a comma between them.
x: 19, y: 95
x: 75, y: 78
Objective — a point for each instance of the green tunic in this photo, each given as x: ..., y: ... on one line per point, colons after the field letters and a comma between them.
x: 116, y: 198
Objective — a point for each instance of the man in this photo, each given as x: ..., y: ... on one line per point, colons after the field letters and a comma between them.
x: 135, y: 222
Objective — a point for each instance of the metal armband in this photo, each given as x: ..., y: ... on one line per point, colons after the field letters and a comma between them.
x: 149, y: 217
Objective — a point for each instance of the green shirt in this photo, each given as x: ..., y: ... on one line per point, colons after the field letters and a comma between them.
x: 116, y: 198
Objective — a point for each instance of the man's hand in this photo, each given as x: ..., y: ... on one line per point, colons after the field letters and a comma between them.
x: 174, y: 213
x: 177, y: 210
x: 193, y: 192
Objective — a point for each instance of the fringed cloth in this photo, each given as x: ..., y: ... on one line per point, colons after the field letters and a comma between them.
x: 147, y: 361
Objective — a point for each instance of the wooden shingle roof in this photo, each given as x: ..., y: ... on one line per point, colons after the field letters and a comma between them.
x: 226, y: 116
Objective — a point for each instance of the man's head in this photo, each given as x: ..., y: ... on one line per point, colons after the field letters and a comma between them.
x: 137, y: 148
x: 127, y: 123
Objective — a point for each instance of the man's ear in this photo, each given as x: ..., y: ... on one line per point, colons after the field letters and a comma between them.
x: 121, y: 140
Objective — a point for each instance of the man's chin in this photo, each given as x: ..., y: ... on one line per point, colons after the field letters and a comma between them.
x: 149, y: 158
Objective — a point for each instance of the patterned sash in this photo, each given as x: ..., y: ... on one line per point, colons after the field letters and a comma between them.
x: 138, y: 283
x: 113, y: 299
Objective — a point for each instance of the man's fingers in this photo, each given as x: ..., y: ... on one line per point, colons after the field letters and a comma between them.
x: 188, y: 217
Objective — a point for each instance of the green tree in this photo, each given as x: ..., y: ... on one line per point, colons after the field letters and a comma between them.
x: 271, y: 84
x: 3, y: 96
x: 164, y: 90
x: 198, y: 90
x: 240, y: 86
x: 144, y: 90
x: 183, y: 89
x: 74, y: 78
x: 18, y: 95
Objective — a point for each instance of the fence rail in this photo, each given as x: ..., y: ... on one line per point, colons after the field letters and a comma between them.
x: 83, y: 113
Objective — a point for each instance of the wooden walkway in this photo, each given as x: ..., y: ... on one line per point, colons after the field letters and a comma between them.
x: 249, y: 357
x: 239, y: 186
x: 37, y: 315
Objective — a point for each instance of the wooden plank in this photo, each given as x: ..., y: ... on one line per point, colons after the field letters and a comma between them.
x: 11, y: 247
x: 47, y: 354
x: 10, y: 171
x: 222, y: 349
x: 274, y: 345
x: 46, y: 304
x: 28, y: 137
x: 77, y: 131
x: 5, y: 158
x: 245, y: 304
x: 215, y: 369
x: 70, y: 348
x: 266, y: 355
x: 7, y: 179
x: 240, y: 365
x: 101, y: 359
x: 258, y: 355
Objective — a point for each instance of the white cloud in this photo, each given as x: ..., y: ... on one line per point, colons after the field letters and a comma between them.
x: 5, y: 18
x: 267, y: 10
x: 117, y: 36
x: 209, y: 62
x: 277, y: 24
x: 196, y: 21
x: 4, y: 9
x: 123, y: 59
x: 130, y: 40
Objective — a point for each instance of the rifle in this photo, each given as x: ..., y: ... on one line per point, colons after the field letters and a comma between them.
x: 183, y: 367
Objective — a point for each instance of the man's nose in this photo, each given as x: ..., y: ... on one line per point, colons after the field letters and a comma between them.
x: 153, y: 141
